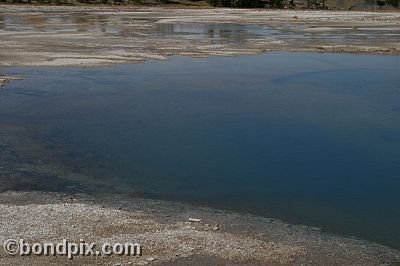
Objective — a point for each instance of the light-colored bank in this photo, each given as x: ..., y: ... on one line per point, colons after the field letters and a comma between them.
x: 93, y: 36
x: 89, y: 36
x: 172, y: 234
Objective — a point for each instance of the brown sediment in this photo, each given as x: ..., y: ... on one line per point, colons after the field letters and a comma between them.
x: 170, y: 233
x: 93, y: 36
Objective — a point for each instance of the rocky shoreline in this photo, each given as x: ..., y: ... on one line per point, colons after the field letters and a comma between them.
x: 173, y: 233
x: 96, y: 36
x: 170, y: 233
x: 372, y: 5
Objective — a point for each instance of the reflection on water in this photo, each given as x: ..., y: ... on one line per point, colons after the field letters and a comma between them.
x: 233, y: 32
x: 310, y: 138
x: 2, y: 22
x: 60, y: 23
x: 137, y: 24
x: 126, y: 27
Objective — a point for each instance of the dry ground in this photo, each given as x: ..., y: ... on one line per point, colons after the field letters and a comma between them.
x: 92, y: 36
x: 167, y: 236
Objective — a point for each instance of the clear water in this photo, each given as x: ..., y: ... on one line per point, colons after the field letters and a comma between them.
x: 308, y: 138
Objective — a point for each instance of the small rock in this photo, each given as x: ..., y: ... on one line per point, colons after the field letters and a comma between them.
x: 150, y: 259
x: 194, y: 220
x: 216, y: 228
x: 142, y: 262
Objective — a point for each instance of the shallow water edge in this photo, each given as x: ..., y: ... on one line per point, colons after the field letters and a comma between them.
x: 159, y: 225
x: 38, y: 157
x: 86, y: 36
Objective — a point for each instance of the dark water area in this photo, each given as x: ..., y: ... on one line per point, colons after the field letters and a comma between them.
x: 308, y: 138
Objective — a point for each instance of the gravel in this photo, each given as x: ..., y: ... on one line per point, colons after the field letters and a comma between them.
x: 244, y: 239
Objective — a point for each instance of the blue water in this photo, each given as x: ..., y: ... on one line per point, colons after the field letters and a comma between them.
x: 308, y: 138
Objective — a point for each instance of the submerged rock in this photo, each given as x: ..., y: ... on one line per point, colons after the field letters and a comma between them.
x: 5, y: 79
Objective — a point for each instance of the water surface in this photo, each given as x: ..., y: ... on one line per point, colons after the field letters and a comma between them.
x: 308, y: 138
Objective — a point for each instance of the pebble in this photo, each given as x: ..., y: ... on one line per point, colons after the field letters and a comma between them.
x: 194, y: 220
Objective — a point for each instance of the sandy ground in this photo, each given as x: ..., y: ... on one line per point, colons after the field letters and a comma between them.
x: 90, y: 36
x: 162, y: 228
x: 167, y: 236
x: 93, y: 36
